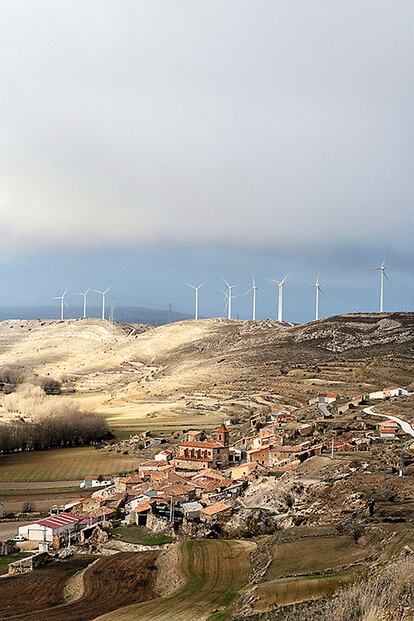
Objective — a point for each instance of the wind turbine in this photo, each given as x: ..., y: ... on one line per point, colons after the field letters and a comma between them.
x: 103, y: 294
x: 383, y: 275
x: 62, y: 303
x: 318, y: 290
x: 253, y: 288
x: 229, y: 296
x: 196, y: 290
x: 85, y: 301
x: 279, y: 284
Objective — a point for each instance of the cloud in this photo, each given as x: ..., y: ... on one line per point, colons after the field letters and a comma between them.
x: 245, y: 123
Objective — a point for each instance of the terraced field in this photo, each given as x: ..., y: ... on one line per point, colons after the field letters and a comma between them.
x: 215, y: 572
x: 309, y: 568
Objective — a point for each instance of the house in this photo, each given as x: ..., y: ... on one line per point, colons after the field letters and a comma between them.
x: 257, y: 419
x: 306, y: 429
x: 51, y: 528
x: 296, y: 451
x: 164, y: 456
x: 282, y: 418
x: 388, y: 429
x: 327, y: 397
x: 141, y: 512
x: 191, y: 510
x: 147, y: 466
x: 217, y: 512
x: 259, y: 455
x: 96, y: 481
x: 2, y: 511
x: 235, y: 455
x: 391, y: 391
x: 245, y: 471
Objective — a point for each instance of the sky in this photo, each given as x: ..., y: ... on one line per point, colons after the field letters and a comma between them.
x: 146, y: 144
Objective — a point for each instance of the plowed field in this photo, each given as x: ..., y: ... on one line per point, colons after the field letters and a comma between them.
x: 215, y: 571
x: 112, y: 582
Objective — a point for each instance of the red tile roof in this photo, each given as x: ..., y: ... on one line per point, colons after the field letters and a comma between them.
x: 217, y: 507
x: 200, y: 444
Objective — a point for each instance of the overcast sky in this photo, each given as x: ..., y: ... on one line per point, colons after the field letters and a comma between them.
x: 147, y: 143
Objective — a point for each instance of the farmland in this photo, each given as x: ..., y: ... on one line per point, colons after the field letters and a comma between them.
x: 215, y: 571
x: 107, y: 584
x: 69, y: 464
x: 310, y: 567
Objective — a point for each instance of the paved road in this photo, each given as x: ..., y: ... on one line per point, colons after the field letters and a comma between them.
x: 402, y: 423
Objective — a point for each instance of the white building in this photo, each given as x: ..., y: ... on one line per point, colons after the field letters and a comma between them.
x: 393, y: 391
x: 46, y: 529
x: 96, y: 481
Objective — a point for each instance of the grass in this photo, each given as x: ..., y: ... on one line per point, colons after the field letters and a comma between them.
x: 141, y: 535
x: 67, y: 464
x: 10, y: 558
x: 314, y: 554
x: 285, y: 591
x: 309, y: 568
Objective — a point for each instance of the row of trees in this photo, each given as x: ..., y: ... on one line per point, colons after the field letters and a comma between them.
x: 65, y: 428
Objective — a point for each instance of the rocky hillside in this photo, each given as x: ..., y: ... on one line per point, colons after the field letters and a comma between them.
x: 212, y: 361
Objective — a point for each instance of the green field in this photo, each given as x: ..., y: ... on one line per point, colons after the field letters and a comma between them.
x: 214, y: 572
x: 309, y: 568
x: 10, y: 558
x: 286, y: 591
x: 68, y: 464
x: 314, y: 554
x: 139, y: 534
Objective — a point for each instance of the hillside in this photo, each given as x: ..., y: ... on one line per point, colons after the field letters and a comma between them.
x: 132, y: 372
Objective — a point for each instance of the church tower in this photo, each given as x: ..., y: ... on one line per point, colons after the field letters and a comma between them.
x: 222, y: 435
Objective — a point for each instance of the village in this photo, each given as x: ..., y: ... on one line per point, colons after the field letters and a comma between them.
x: 193, y: 488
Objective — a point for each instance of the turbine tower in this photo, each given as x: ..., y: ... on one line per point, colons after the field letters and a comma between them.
x: 85, y: 301
x: 229, y: 296
x: 383, y: 275
x: 103, y: 294
x: 280, y: 284
x: 62, y: 303
x: 318, y: 289
x: 253, y: 289
x: 196, y: 290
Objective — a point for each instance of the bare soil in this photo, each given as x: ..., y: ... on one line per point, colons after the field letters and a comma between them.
x: 111, y: 582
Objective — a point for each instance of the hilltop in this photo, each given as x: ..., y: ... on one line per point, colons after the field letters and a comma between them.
x: 133, y: 371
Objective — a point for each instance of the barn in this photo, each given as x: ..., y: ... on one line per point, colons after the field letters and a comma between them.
x: 50, y: 527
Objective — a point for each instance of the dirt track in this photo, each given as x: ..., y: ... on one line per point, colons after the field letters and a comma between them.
x: 215, y: 571
x: 112, y: 582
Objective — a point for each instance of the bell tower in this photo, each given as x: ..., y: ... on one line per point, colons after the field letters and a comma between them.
x: 222, y: 435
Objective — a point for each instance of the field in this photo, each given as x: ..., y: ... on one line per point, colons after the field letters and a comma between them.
x: 309, y: 568
x: 71, y: 464
x: 10, y: 558
x: 140, y: 535
x: 109, y: 583
x: 314, y: 554
x: 215, y: 571
x: 286, y: 591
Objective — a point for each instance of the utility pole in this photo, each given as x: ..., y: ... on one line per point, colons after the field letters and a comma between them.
x: 401, y: 472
